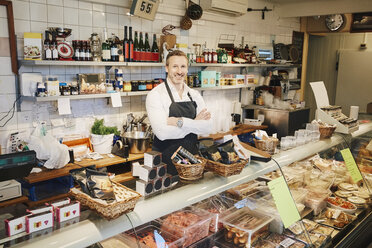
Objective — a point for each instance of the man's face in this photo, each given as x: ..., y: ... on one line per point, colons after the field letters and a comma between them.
x: 177, y: 69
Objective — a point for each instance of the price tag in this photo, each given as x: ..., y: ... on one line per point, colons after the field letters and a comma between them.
x: 145, y: 8
x: 287, y: 242
x: 283, y: 200
x: 240, y: 204
x: 351, y: 165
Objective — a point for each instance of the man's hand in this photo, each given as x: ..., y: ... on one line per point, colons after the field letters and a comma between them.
x: 203, y: 115
x: 172, y: 121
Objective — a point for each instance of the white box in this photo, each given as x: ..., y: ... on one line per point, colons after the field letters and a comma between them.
x: 15, y: 225
x: 68, y: 212
x: 37, y: 222
x: 11, y: 190
x: 29, y: 82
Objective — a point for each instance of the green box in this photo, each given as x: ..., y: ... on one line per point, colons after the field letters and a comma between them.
x: 207, y: 79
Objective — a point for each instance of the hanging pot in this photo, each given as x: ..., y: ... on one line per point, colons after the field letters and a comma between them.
x: 194, y: 11
x: 186, y: 23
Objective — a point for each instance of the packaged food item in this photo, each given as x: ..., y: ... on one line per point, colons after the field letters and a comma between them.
x: 216, y: 205
x: 99, y: 185
x: 244, y: 226
x: 191, y: 223
x: 323, y: 230
x: 284, y: 241
x: 339, y: 203
x: 243, y: 190
x: 228, y: 154
x: 316, y: 200
x: 149, y: 233
x: 334, y: 218
x: 263, y: 244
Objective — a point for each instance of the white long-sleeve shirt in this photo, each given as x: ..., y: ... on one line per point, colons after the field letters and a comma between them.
x: 157, y: 106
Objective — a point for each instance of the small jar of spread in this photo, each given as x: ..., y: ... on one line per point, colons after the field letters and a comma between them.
x: 142, y: 85
x: 156, y: 82
x: 64, y: 89
x: 74, y: 88
x: 135, y: 85
x: 127, y: 86
x: 149, y: 85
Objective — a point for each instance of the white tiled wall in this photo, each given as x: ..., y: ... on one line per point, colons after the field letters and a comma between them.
x: 85, y: 18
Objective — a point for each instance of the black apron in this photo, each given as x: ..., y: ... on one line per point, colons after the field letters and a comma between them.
x: 189, y: 142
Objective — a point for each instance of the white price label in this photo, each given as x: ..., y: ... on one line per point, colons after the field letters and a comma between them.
x: 145, y: 8
x: 287, y: 242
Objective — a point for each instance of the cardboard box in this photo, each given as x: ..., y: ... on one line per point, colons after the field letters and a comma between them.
x: 207, y: 78
x: 37, y: 222
x: 15, y: 225
x: 68, y: 212
x: 240, y: 79
x: 32, y: 49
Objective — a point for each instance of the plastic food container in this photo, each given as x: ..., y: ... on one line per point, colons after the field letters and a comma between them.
x: 190, y: 223
x: 243, y: 226
x: 216, y: 205
x: 339, y: 203
x: 146, y: 236
x: 299, y: 195
x: 317, y: 200
x: 284, y: 241
x: 243, y: 190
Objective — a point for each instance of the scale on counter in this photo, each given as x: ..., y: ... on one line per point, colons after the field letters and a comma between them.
x: 14, y: 166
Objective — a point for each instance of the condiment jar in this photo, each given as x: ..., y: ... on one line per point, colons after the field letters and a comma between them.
x: 142, y: 85
x: 156, y: 82
x: 127, y: 86
x: 74, y: 88
x: 149, y: 85
x: 135, y: 85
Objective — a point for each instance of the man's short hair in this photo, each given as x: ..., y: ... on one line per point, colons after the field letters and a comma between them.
x: 175, y: 53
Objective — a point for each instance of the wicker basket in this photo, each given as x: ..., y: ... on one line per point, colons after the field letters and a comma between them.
x: 268, y: 145
x: 326, y: 132
x: 191, y: 172
x: 225, y: 170
x: 128, y: 199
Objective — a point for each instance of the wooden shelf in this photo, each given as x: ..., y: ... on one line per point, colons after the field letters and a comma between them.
x: 124, y: 177
x: 13, y: 201
x: 47, y: 174
x: 32, y: 204
x: 237, y: 130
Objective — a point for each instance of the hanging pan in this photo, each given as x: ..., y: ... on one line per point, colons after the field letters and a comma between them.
x: 194, y: 11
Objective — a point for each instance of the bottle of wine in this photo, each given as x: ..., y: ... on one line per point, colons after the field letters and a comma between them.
x: 147, y: 50
x: 126, y: 45
x: 53, y: 47
x: 141, y: 49
x: 106, y: 52
x: 136, y: 47
x: 47, y: 51
x: 114, y: 49
x: 82, y: 50
x: 154, y: 50
x: 130, y: 42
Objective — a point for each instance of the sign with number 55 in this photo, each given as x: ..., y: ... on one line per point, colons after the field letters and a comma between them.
x: 145, y: 8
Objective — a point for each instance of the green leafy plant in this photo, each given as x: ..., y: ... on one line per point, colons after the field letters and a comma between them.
x: 100, y: 129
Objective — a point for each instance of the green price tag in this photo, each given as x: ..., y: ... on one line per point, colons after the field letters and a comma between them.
x: 284, y: 201
x: 351, y: 165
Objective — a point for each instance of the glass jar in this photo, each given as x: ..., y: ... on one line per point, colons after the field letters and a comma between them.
x: 134, y: 85
x: 142, y: 85
x: 64, y: 89
x: 155, y: 83
x: 127, y: 86
x: 74, y: 89
x: 149, y: 85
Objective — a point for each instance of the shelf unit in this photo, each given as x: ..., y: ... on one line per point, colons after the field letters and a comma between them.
x: 93, y: 230
x: 140, y: 64
x: 108, y: 95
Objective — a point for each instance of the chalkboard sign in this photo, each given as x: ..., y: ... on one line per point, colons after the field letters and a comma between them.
x: 145, y: 8
x: 298, y: 42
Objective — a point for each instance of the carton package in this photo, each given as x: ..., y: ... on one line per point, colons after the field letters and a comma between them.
x: 32, y: 49
x: 207, y: 78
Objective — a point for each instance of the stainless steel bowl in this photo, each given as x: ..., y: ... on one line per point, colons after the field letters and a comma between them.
x: 137, y: 141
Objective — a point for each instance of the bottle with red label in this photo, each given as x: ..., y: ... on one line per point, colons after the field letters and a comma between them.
x: 209, y: 56
x: 131, y: 46
x: 214, y: 56
x: 154, y: 50
x: 141, y: 49
x: 135, y: 47
x: 126, y: 45
x: 147, y: 50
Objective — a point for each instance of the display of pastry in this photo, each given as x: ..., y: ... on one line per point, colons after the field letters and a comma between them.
x: 343, y: 193
x: 347, y: 186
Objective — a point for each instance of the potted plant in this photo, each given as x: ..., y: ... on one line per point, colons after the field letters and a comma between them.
x: 102, y: 136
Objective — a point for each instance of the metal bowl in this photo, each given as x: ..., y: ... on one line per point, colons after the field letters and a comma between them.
x: 137, y: 141
x: 61, y: 32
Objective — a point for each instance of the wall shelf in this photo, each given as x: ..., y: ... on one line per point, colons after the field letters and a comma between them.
x: 108, y: 95
x: 139, y: 64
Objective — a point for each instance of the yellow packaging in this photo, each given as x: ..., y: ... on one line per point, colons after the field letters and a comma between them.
x: 32, y: 46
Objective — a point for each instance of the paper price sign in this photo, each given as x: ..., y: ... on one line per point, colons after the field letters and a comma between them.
x: 283, y: 200
x: 145, y: 8
x: 351, y: 165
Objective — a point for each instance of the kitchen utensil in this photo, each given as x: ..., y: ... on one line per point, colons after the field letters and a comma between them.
x: 194, y: 11
x: 185, y: 23
x: 137, y: 141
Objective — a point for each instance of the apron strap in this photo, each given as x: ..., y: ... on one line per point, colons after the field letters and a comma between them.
x: 169, y: 91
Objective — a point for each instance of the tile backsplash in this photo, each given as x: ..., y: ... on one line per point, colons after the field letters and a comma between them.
x: 85, y: 18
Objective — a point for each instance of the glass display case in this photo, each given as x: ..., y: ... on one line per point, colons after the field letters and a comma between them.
x: 314, y: 173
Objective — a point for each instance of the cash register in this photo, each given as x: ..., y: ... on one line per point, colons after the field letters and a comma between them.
x: 14, y: 166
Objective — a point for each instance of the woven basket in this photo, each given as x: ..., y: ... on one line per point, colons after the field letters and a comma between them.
x: 267, y: 145
x: 326, y: 132
x: 225, y: 170
x: 191, y: 172
x: 128, y: 199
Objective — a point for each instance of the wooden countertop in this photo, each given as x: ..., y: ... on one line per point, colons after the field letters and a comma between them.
x: 237, y: 130
x: 48, y: 174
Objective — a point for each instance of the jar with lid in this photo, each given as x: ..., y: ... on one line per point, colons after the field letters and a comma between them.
x: 142, y: 85
x: 214, y: 56
x: 149, y: 85
x: 109, y: 86
x: 135, y: 85
x: 127, y: 86
x: 206, y: 56
x: 74, y: 88
x: 41, y: 89
x: 64, y: 88
x: 156, y: 82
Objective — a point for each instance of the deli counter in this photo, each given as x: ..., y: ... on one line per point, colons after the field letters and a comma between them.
x: 94, y: 229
